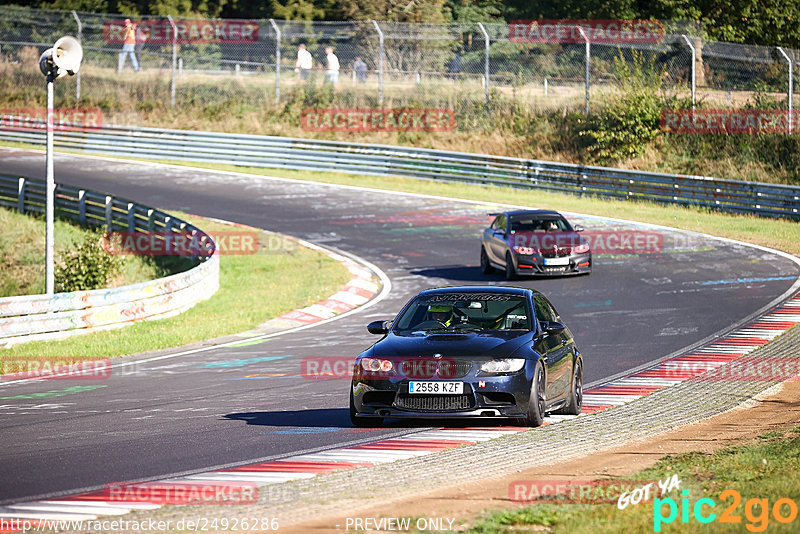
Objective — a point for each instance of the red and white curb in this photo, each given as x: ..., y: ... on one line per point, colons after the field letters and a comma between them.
x: 91, y: 505
x: 357, y: 292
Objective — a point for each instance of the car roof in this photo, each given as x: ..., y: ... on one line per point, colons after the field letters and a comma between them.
x: 517, y: 213
x: 499, y: 290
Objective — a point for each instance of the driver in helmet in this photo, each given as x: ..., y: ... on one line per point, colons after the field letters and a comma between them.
x: 442, y: 313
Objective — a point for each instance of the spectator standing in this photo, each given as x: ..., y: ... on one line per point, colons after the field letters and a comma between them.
x: 141, y: 37
x: 332, y: 71
x: 304, y: 62
x: 455, y: 65
x: 128, y: 47
x: 361, y: 69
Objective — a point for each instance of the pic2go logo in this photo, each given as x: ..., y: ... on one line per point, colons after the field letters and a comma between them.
x: 756, y: 511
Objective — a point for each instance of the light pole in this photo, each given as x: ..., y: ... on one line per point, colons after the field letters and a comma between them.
x: 64, y: 58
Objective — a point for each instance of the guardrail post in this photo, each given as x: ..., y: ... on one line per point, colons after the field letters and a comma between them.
x: 80, y: 40
x: 277, y: 60
x: 167, y: 223
x: 486, y: 58
x: 82, y: 206
x: 109, y: 213
x: 151, y: 219
x: 174, y: 59
x: 791, y: 83
x: 21, y: 195
x: 380, y: 62
x: 588, y: 58
x: 131, y: 217
x: 694, y: 67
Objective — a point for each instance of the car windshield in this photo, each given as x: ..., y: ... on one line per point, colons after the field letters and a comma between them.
x: 539, y: 224
x: 465, y: 312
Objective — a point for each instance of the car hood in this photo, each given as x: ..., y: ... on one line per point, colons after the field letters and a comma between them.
x: 479, y: 345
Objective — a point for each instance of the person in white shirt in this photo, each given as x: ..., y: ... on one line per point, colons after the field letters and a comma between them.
x: 304, y: 62
x: 332, y: 73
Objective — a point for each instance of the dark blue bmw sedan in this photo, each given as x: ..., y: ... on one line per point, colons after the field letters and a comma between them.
x: 463, y: 352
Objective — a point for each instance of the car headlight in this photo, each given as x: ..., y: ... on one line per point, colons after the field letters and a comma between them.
x: 525, y: 251
x: 583, y: 248
x: 375, y: 365
x: 509, y: 365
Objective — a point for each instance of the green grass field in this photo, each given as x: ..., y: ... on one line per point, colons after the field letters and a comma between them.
x: 22, y: 244
x: 746, y: 481
x: 253, y: 289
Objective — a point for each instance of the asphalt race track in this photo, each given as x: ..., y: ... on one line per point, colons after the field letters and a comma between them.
x: 249, y: 402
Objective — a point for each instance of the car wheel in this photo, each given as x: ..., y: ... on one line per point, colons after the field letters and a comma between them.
x: 537, y: 401
x: 362, y: 422
x: 575, y: 402
x: 511, y: 272
x: 486, y: 267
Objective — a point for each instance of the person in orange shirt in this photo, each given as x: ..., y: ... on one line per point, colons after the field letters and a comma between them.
x: 128, y: 46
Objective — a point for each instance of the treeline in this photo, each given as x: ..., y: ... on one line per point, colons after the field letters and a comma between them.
x: 762, y: 22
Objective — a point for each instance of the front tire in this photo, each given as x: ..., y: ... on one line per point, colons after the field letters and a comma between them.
x: 537, y: 400
x: 511, y: 271
x: 486, y: 266
x: 575, y: 403
x: 362, y: 422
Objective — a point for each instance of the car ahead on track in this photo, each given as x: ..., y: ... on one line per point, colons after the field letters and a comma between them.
x: 534, y: 242
x: 475, y: 351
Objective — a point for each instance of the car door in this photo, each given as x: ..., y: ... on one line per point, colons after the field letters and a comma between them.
x: 497, y: 240
x: 556, y: 350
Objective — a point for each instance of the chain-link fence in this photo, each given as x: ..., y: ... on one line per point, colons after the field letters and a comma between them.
x: 231, y: 65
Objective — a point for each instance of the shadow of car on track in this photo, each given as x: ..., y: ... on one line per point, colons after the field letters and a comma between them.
x: 328, y: 418
x: 468, y: 273
x: 323, y: 417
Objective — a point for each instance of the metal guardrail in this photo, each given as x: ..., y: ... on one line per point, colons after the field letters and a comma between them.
x: 383, y: 160
x: 39, y: 317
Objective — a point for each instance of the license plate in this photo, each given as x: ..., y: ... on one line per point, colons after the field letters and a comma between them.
x: 556, y: 261
x: 436, y: 388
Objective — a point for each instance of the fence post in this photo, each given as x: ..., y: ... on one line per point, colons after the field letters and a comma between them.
x: 82, y: 206
x: 694, y: 67
x: 277, y: 60
x: 21, y: 195
x: 588, y: 58
x: 380, y: 62
x: 788, y: 59
x: 486, y: 58
x: 131, y: 217
x: 174, y: 59
x: 80, y: 40
x: 109, y: 213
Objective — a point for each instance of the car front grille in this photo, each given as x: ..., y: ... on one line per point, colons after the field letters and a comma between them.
x: 433, y: 403
x: 453, y: 369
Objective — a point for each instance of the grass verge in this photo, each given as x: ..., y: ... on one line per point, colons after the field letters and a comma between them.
x: 22, y: 244
x: 280, y: 277
x: 760, y: 473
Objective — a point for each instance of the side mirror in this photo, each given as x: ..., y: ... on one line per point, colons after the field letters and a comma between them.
x: 552, y: 327
x: 378, y: 327
x: 578, y: 228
